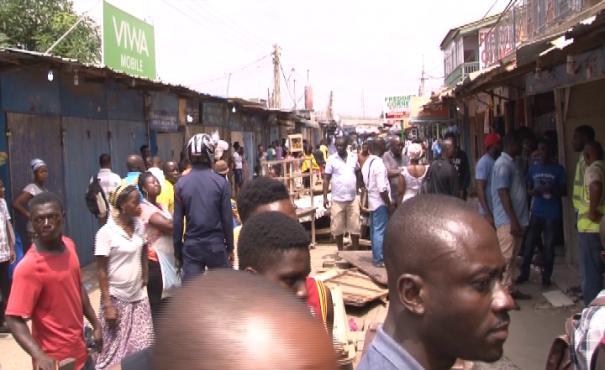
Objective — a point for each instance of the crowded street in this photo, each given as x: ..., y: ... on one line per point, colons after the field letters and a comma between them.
x: 365, y: 193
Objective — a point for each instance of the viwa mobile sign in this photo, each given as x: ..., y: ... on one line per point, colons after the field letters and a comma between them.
x: 128, y: 43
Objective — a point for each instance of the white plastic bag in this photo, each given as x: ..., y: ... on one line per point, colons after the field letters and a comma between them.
x: 171, y: 279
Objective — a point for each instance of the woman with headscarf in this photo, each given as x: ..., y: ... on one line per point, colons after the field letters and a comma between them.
x: 121, y: 253
x: 157, y: 222
x: 412, y: 175
x: 21, y: 203
x: 441, y: 178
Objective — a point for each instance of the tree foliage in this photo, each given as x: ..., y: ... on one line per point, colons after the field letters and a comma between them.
x: 37, y: 24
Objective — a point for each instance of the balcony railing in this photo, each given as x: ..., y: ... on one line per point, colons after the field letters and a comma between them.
x: 460, y: 72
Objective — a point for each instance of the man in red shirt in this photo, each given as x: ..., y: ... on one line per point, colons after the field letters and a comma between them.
x: 47, y: 288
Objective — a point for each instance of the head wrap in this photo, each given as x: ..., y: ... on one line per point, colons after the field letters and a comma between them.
x: 491, y: 139
x: 415, y: 151
x: 36, y: 164
x: 117, y: 196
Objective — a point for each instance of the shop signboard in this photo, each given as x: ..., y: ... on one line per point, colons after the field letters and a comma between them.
x: 128, y: 43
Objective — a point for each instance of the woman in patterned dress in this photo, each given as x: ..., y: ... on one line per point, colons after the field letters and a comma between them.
x: 122, y: 269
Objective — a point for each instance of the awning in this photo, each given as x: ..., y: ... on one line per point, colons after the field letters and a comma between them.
x: 309, y: 124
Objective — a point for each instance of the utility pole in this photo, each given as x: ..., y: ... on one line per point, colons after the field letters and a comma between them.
x: 276, y: 101
x: 228, y: 83
x: 294, y: 86
x: 422, y: 80
x: 330, y: 107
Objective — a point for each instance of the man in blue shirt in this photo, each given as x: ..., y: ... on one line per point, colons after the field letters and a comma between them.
x: 546, y: 185
x: 445, y: 292
x: 511, y: 214
x: 204, y: 199
x: 483, y: 174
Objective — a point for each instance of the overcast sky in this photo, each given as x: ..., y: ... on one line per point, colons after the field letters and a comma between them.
x: 361, y: 50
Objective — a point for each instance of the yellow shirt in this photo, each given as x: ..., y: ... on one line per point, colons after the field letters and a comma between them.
x: 166, y: 197
x: 309, y: 163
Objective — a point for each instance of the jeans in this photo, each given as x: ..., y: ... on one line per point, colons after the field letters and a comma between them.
x: 5, y: 288
x: 591, y: 265
x: 379, y: 218
x: 548, y: 230
x: 196, y: 258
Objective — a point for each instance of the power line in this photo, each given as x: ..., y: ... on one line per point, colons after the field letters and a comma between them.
x: 490, y: 9
x: 193, y: 19
x: 211, y: 17
x: 240, y: 69
x: 511, y: 3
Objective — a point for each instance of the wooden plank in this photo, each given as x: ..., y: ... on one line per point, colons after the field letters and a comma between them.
x: 357, y: 288
x: 363, y: 261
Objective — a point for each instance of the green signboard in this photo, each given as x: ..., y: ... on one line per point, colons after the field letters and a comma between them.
x: 128, y: 43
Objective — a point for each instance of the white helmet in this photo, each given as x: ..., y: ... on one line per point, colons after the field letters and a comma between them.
x: 201, y: 145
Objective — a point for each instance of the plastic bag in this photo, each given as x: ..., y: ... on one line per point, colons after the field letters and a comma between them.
x: 171, y: 277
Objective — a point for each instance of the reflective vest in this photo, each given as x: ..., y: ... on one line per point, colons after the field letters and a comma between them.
x: 578, y: 183
x: 585, y: 225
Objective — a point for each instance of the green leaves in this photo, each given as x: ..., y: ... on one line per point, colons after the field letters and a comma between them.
x: 37, y: 24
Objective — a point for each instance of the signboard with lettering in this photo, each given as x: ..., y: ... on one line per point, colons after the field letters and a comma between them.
x: 128, y: 43
x: 496, y: 43
x: 397, y: 107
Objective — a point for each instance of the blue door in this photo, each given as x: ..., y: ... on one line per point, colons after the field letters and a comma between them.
x: 126, y: 137
x: 33, y: 136
x: 84, y: 140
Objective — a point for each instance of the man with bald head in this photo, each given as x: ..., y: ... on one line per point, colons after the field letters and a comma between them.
x: 233, y: 320
x: 135, y: 165
x: 445, y: 292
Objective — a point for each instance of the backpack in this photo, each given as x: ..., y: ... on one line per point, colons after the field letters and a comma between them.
x: 559, y: 355
x: 95, y: 199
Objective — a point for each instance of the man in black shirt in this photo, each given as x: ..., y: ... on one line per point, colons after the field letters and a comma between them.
x: 459, y: 160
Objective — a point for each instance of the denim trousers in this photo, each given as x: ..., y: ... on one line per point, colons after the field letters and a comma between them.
x: 197, y: 258
x: 591, y: 265
x: 378, y: 219
x: 548, y: 230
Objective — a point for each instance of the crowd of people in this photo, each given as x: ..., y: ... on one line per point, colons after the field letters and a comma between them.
x: 450, y: 267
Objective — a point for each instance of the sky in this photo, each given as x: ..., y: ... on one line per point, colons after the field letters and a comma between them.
x: 360, y: 50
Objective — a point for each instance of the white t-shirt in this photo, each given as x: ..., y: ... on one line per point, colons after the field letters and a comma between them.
x: 344, y: 181
x: 237, y: 160
x: 108, y: 180
x: 124, y: 270
x: 376, y: 179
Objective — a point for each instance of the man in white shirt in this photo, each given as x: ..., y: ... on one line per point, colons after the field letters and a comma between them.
x: 108, y: 180
x: 341, y: 171
x: 238, y: 167
x: 375, y: 178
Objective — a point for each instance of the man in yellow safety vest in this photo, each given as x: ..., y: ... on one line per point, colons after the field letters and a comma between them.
x: 582, y: 135
x: 590, y: 212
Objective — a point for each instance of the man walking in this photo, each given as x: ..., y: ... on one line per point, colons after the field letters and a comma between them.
x: 446, y: 297
x: 590, y: 213
x: 483, y: 174
x: 341, y: 172
x: 48, y: 289
x: 511, y: 216
x: 202, y: 197
x: 459, y: 160
x: 108, y: 180
x: 547, y: 184
x: 375, y: 178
